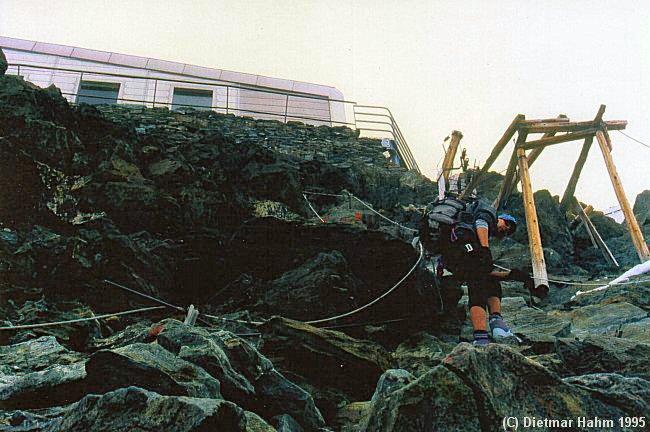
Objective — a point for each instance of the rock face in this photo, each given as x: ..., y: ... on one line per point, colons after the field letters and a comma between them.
x: 149, y: 366
x: 135, y: 409
x: 100, y: 204
x: 508, y: 384
x: 437, y: 401
x: 247, y: 377
x: 298, y: 347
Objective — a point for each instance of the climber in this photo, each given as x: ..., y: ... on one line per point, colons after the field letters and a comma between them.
x: 460, y: 232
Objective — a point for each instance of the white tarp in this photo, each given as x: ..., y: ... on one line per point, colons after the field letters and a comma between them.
x: 637, y: 270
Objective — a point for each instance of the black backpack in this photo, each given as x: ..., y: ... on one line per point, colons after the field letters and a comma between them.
x: 443, y: 215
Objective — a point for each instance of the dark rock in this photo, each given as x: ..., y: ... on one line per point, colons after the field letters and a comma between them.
x: 151, y: 367
x: 39, y: 373
x: 635, y: 294
x: 3, y: 63
x: 604, y: 354
x: 325, y: 356
x: 506, y: 383
x: 420, y: 353
x: 630, y: 394
x: 323, y: 283
x: 247, y: 377
x: 255, y: 423
x: 135, y: 409
x: 641, y: 207
x: 437, y: 401
x: 611, y: 319
x: 530, y: 322
x: 201, y: 348
x: 286, y: 423
x: 350, y: 416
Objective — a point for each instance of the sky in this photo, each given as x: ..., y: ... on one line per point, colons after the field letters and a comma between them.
x: 438, y: 65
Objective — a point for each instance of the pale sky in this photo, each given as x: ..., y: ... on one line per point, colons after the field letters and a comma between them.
x: 438, y: 65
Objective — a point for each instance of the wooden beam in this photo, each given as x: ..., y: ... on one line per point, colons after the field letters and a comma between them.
x: 632, y: 224
x: 570, y: 190
x: 532, y: 157
x: 504, y: 190
x: 448, y: 162
x: 559, y: 139
x: 595, y: 237
x: 496, y: 151
x: 572, y: 126
x: 532, y: 224
x: 562, y: 118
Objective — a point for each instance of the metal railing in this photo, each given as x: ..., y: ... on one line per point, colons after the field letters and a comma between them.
x: 242, y: 99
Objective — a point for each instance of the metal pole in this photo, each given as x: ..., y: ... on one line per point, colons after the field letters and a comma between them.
x: 227, y: 97
x: 155, y: 90
x: 286, y: 108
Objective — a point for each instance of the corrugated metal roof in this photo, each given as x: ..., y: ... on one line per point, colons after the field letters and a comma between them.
x: 167, y: 66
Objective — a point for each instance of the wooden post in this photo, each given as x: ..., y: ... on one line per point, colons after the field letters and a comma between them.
x: 595, y: 237
x: 448, y: 162
x: 507, y: 180
x: 630, y: 220
x: 504, y: 190
x: 532, y: 157
x: 496, y: 151
x: 570, y: 190
x: 534, y: 237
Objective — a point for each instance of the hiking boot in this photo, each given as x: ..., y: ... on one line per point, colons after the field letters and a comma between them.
x: 499, y: 328
x: 481, y: 338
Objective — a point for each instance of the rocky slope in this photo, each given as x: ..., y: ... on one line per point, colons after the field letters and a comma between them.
x: 208, y: 209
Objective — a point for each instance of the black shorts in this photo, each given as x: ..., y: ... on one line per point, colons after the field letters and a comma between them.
x: 461, y: 257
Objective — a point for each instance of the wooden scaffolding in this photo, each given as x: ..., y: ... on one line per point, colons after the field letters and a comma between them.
x: 555, y: 131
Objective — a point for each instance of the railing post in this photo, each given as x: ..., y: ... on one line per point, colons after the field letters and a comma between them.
x: 155, y: 90
x: 18, y: 73
x: 227, y: 97
x: 286, y: 108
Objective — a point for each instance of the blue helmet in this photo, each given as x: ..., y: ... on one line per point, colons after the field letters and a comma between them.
x: 510, y: 221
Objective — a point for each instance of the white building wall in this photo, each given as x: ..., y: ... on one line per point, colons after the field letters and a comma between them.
x: 227, y: 97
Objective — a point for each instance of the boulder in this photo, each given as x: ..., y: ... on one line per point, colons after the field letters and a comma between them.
x: 323, y: 356
x: 201, y: 348
x: 641, y: 207
x: 597, y: 354
x: 138, y: 410
x: 247, y: 377
x: 505, y: 383
x: 609, y: 320
x: 635, y: 294
x: 420, y: 353
x: 39, y: 373
x: 324, y: 283
x: 255, y: 423
x: 350, y: 416
x: 286, y: 423
x: 631, y: 394
x: 437, y: 401
x: 529, y: 322
x: 151, y: 367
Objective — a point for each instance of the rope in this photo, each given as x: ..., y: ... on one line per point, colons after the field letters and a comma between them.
x: 96, y: 317
x: 323, y: 194
x: 393, y: 288
x: 381, y: 215
x: 343, y: 315
x: 634, y: 139
x: 157, y: 300
x: 583, y: 283
x: 312, y: 208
